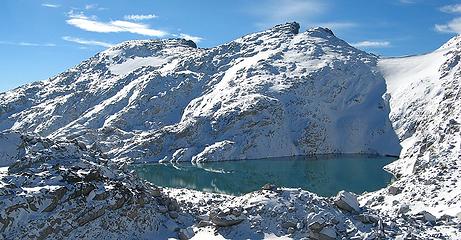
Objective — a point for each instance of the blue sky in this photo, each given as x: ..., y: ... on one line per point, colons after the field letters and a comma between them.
x: 39, y: 39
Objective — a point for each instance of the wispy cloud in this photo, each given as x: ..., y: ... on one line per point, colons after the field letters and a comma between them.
x: 195, y: 39
x: 407, y: 1
x: 139, y: 17
x: 87, y: 42
x: 90, y: 6
x: 50, y: 5
x: 455, y: 8
x: 306, y: 12
x: 91, y: 24
x: 278, y: 11
x: 28, y: 44
x: 372, y: 44
x: 336, y: 25
x: 453, y: 26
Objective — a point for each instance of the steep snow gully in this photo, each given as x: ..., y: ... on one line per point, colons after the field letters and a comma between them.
x: 67, y: 142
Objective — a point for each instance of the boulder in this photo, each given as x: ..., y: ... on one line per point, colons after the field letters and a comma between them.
x: 173, y: 214
x: 347, y: 201
x: 393, y: 190
x: 269, y: 187
x: 288, y: 224
x: 57, y: 194
x: 327, y: 233
x: 185, y: 234
x: 226, y: 220
x: 162, y: 209
x: 90, y: 216
x: 404, y: 208
x: 429, y: 217
x: 368, y: 218
x: 204, y: 223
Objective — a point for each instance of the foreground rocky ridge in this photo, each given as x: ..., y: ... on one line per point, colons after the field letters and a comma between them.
x: 63, y: 181
x: 61, y: 189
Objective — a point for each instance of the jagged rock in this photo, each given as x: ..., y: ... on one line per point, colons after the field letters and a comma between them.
x: 368, y: 219
x: 269, y: 187
x: 101, y: 196
x: 204, y: 223
x: 316, y: 226
x: 327, y: 233
x: 288, y: 224
x: 173, y: 214
x: 429, y: 217
x: 156, y: 192
x: 393, y: 190
x: 221, y: 219
x: 300, y: 225
x: 185, y: 234
x: 347, y: 201
x: 90, y: 216
x: 82, y: 145
x: 404, y: 208
x: 162, y: 209
x: 117, y: 203
x: 57, y: 196
x: 237, y: 211
x: 93, y: 175
x: 172, y: 226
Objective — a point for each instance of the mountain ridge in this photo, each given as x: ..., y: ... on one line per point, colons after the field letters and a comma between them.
x: 192, y: 82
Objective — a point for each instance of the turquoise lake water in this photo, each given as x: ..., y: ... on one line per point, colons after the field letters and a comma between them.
x: 324, y: 175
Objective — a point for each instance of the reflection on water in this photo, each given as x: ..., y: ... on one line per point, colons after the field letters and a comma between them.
x: 324, y: 175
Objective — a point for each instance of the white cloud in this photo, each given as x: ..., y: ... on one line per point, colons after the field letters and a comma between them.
x: 86, y: 42
x: 28, y: 44
x: 372, y: 44
x: 195, y: 39
x: 454, y: 26
x: 50, y: 5
x: 455, y: 8
x: 81, y: 21
x: 140, y: 17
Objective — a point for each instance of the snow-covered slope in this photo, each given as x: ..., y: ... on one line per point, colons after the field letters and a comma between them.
x: 272, y: 93
x: 425, y: 99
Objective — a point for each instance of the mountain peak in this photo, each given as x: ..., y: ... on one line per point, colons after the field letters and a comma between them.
x: 453, y: 42
x: 321, y: 29
x: 146, y: 48
x: 291, y: 27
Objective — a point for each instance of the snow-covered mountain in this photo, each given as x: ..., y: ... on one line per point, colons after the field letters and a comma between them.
x: 424, y: 93
x: 272, y: 93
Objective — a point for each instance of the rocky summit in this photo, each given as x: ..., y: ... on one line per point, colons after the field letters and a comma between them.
x: 66, y: 143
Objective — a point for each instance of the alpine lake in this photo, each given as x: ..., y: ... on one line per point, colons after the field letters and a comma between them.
x: 324, y: 175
